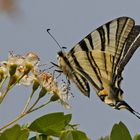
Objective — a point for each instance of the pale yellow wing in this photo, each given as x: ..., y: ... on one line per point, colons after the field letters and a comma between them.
x: 95, y: 66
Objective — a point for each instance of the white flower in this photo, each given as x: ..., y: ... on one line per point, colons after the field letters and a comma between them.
x: 61, y: 90
x: 64, y: 94
x: 22, y: 66
x: 27, y: 80
x: 32, y: 58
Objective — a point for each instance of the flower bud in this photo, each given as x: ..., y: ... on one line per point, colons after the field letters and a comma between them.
x: 54, y: 98
x: 35, y: 85
x: 12, y: 69
x: 42, y: 92
x: 28, y: 68
x: 1, y: 75
x: 13, y: 80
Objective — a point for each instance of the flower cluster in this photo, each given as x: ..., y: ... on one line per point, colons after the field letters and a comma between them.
x: 19, y: 68
x: 59, y: 90
x: 24, y: 70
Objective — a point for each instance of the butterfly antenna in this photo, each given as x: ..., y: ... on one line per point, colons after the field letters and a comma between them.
x: 48, y: 30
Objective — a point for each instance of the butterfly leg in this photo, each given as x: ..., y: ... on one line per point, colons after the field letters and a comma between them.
x: 54, y: 64
x: 59, y: 71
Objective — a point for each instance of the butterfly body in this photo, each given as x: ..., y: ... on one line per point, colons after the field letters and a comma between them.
x: 100, y: 58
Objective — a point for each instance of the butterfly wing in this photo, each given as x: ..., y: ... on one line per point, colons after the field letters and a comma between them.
x: 132, y: 43
x: 66, y: 66
x: 81, y: 83
x: 108, y: 37
x: 95, y: 66
x: 110, y: 42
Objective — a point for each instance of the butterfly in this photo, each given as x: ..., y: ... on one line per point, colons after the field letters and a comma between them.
x: 100, y: 58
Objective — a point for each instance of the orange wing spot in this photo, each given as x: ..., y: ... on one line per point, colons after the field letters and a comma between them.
x: 103, y: 92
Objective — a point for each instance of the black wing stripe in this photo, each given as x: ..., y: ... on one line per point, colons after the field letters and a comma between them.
x: 102, y: 37
x: 79, y: 67
x: 90, y: 41
x: 105, y: 64
x: 130, y: 47
x: 117, y: 39
x: 84, y: 46
x: 107, y: 32
x: 90, y: 58
x: 95, y: 65
x: 120, y: 43
x: 78, y: 79
x: 116, y: 60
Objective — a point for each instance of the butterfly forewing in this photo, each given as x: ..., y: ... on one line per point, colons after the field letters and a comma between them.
x: 101, y: 56
x: 132, y: 43
x: 96, y: 67
x: 109, y: 38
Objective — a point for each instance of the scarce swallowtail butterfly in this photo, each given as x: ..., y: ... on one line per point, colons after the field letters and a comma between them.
x: 100, y: 58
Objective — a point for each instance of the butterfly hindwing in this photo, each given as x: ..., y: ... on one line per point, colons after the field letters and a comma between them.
x: 81, y: 83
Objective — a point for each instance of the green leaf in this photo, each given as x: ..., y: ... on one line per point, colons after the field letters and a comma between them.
x: 137, y: 137
x: 120, y: 132
x: 23, y: 134
x: 51, y: 124
x: 105, y: 138
x: 68, y: 118
x: 73, y: 135
x: 14, y: 133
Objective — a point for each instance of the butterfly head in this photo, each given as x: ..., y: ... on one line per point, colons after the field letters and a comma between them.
x: 63, y: 62
x: 61, y: 56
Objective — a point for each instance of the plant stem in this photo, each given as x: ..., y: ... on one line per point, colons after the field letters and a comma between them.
x: 2, y: 82
x: 39, y: 107
x: 16, y: 119
x: 28, y: 102
x: 33, y: 105
x: 25, y: 113
x: 4, y: 94
x: 9, y: 87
